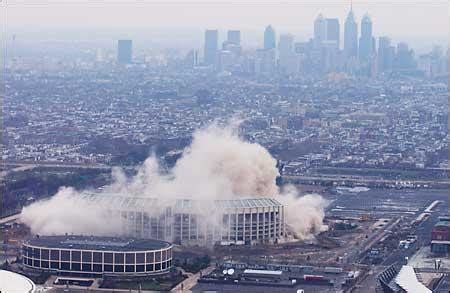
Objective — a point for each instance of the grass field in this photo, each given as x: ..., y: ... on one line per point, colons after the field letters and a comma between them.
x: 150, y: 284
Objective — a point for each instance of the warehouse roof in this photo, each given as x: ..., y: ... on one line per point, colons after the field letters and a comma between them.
x: 263, y: 272
x: 442, y: 224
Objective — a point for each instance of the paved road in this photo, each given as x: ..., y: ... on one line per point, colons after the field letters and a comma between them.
x: 17, y: 169
x: 23, y: 164
x: 368, y: 243
x: 369, y: 283
x: 191, y: 281
x: 423, y: 232
x: 359, y: 179
x: 9, y: 219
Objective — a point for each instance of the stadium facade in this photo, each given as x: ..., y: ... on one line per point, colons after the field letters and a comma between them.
x: 90, y: 256
x: 197, y: 222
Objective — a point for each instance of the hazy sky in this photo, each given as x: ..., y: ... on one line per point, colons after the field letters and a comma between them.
x: 427, y: 19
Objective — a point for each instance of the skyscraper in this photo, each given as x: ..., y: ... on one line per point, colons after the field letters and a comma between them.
x: 124, y: 51
x: 366, y: 42
x: 386, y: 54
x: 269, y: 38
x: 320, y: 30
x: 351, y: 36
x: 405, y: 57
x: 333, y: 30
x: 234, y: 37
x: 265, y: 61
x: 286, y: 51
x: 211, y: 46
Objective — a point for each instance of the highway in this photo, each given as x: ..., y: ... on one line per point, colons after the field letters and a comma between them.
x: 359, y: 253
x: 361, y: 180
x: 33, y: 164
x: 192, y: 280
x: 8, y: 219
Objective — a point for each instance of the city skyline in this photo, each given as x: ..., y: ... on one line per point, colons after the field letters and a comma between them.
x: 216, y: 14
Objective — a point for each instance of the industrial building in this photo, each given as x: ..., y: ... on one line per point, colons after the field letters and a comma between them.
x: 89, y: 256
x: 440, y: 236
x: 197, y: 222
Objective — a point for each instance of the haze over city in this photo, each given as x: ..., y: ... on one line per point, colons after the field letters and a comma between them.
x: 422, y: 23
x: 224, y: 146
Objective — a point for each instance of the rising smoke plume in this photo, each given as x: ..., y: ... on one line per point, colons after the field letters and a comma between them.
x: 217, y: 165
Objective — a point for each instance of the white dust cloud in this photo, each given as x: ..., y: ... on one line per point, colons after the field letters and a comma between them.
x: 67, y: 212
x: 217, y: 165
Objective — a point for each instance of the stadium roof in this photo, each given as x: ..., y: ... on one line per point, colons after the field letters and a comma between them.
x: 13, y: 282
x: 114, y: 200
x: 407, y: 280
x: 97, y: 243
x: 247, y: 203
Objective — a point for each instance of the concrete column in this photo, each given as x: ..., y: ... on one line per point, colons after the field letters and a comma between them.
x: 243, y: 225
x: 264, y: 222
x: 251, y: 225
x: 229, y: 227
x: 257, y: 223
x: 275, y: 222
x: 236, y: 224
x: 189, y: 226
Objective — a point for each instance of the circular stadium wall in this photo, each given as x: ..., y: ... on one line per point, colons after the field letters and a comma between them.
x: 13, y: 282
x: 97, y: 256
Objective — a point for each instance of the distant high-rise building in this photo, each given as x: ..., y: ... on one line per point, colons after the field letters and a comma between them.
x: 234, y: 37
x: 351, y: 36
x: 211, y: 47
x: 269, y: 38
x: 366, y: 42
x: 386, y: 54
x: 124, y: 51
x: 265, y: 61
x: 286, y: 53
x: 405, y: 57
x: 99, y: 55
x: 226, y: 60
x: 320, y: 30
x: 434, y: 63
x: 191, y: 59
x: 333, y: 30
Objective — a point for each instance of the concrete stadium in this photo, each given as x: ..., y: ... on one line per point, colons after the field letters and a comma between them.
x: 197, y: 222
x: 89, y: 256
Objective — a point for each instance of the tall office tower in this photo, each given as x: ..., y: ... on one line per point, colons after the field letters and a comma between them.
x: 333, y: 30
x: 366, y: 42
x: 234, y: 37
x: 99, y: 55
x: 386, y: 54
x: 320, y: 30
x: 211, y: 46
x: 265, y: 61
x: 405, y: 57
x: 269, y: 38
x: 226, y: 60
x: 286, y: 53
x: 350, y: 36
x: 191, y: 59
x: 124, y: 51
x: 438, y: 61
